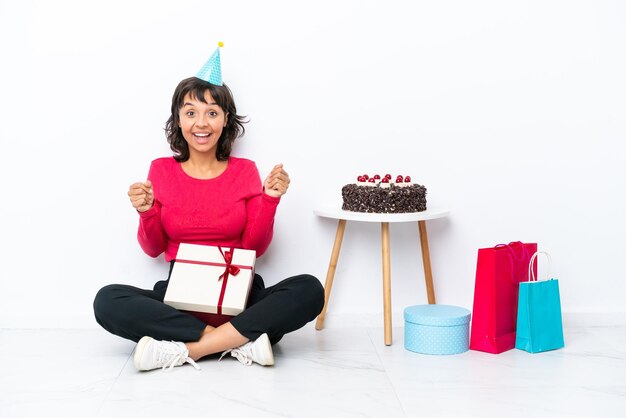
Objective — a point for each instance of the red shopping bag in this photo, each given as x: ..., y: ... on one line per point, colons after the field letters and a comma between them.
x: 498, y: 273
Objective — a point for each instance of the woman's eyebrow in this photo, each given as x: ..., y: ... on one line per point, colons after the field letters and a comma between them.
x: 191, y: 104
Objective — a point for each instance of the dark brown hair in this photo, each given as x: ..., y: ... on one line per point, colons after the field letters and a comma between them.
x: 223, y: 97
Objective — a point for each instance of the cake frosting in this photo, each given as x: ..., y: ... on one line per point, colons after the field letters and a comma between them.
x: 382, y: 195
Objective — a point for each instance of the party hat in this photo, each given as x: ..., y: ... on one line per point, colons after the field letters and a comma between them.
x: 211, y: 71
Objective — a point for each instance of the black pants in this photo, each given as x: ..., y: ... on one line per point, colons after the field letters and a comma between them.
x: 132, y: 313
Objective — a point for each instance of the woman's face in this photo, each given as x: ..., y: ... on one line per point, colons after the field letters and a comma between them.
x: 201, y: 123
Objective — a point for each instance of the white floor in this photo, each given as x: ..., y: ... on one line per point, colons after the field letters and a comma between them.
x: 337, y: 372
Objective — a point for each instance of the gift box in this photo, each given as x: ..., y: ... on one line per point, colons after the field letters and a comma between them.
x: 436, y: 329
x: 213, y: 283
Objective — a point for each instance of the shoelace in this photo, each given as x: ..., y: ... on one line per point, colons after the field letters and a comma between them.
x: 243, y: 353
x: 170, y: 354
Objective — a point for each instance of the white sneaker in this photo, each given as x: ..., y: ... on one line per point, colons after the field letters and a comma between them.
x: 152, y: 354
x: 258, y: 351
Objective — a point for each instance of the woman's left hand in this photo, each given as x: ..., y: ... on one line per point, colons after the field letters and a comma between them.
x: 277, y: 182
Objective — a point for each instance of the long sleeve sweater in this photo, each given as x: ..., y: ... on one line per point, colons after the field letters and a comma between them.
x: 228, y: 210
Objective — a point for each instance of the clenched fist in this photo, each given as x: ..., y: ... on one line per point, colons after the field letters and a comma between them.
x: 141, y: 195
x: 277, y: 182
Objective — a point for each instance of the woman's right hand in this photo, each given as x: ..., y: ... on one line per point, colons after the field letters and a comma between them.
x: 141, y: 195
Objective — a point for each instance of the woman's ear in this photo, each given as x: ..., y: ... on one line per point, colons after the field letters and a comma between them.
x: 225, y: 119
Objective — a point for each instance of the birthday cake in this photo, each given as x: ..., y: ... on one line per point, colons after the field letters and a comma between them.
x: 382, y: 195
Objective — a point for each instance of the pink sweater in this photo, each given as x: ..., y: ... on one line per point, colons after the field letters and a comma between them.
x: 229, y: 210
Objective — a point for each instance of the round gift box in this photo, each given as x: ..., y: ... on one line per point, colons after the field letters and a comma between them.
x: 436, y: 329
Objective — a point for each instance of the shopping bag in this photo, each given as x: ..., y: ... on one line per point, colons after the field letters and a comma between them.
x: 539, y: 322
x: 499, y: 270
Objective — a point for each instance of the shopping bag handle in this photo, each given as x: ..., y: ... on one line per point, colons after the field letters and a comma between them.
x: 511, y: 254
x: 531, y: 271
x: 510, y: 245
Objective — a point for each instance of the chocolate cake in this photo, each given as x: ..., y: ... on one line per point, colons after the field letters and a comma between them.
x: 376, y: 195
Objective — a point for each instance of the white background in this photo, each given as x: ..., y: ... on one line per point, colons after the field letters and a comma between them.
x: 511, y: 113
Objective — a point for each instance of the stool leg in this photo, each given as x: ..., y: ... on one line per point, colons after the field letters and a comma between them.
x: 428, y: 274
x: 330, y: 275
x: 386, y: 282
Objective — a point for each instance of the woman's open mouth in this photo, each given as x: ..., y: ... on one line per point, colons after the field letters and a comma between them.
x: 202, y: 138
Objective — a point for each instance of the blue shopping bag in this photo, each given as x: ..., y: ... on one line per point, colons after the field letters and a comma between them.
x: 539, y: 323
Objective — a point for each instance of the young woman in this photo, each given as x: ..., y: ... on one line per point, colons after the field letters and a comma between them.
x: 203, y: 195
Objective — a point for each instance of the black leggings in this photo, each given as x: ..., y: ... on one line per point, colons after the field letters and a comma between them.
x: 132, y: 313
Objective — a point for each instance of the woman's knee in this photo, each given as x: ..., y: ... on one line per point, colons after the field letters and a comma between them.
x: 105, y: 300
x: 312, y: 290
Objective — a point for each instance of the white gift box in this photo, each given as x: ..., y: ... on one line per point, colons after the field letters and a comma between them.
x: 204, y: 280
